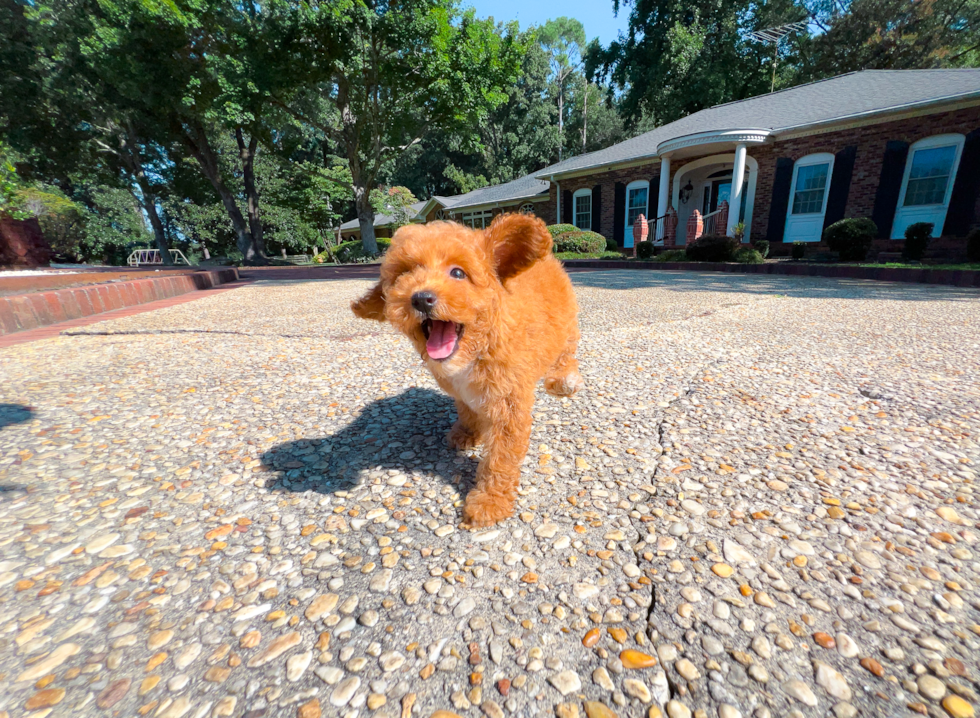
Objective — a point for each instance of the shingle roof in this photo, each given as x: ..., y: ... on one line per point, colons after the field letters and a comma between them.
x: 837, y: 98
x: 381, y: 220
x: 522, y: 188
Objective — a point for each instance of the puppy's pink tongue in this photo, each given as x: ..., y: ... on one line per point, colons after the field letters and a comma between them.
x: 442, y: 339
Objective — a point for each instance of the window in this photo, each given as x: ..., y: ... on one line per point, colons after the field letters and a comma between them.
x: 930, y: 171
x: 527, y: 208
x: 478, y: 220
x: 929, y: 175
x: 582, y: 209
x: 440, y: 214
x: 811, y: 188
x: 636, y: 201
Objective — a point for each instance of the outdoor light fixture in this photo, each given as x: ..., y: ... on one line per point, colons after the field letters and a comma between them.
x: 686, y: 192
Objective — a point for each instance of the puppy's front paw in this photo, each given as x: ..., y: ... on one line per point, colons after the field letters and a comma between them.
x: 482, y: 509
x: 565, y: 385
x: 461, y: 437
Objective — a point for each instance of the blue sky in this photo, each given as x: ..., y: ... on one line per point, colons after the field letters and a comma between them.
x: 595, y: 15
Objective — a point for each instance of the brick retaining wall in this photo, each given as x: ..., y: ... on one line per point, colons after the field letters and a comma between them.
x: 21, y: 312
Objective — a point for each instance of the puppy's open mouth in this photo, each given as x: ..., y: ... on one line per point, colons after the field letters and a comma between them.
x: 441, y: 338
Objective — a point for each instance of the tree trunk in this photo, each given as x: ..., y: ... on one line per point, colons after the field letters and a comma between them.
x: 148, y: 201
x: 197, y: 142
x: 365, y: 218
x: 247, y: 155
x: 561, y: 118
x: 585, y: 117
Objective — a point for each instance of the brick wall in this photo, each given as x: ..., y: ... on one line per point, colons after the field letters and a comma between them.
x: 869, y: 140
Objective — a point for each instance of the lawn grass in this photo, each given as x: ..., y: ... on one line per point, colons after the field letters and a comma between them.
x: 905, y: 265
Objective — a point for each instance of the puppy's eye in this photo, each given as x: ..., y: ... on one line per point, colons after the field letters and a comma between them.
x: 457, y: 273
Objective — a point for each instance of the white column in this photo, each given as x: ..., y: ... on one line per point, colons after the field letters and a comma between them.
x: 663, y: 198
x: 558, y: 202
x: 738, y: 179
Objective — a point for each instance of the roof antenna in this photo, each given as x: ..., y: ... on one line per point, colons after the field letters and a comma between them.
x: 772, y: 36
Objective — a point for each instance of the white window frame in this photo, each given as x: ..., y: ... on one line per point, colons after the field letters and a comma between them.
x: 581, y: 193
x: 818, y: 158
x: 635, y: 184
x: 483, y: 218
x: 527, y: 208
x: 955, y: 139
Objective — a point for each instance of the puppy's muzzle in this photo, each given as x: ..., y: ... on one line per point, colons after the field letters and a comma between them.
x: 424, y: 302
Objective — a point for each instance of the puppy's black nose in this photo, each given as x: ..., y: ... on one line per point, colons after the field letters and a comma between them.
x: 424, y: 302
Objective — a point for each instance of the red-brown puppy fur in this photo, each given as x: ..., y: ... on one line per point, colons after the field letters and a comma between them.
x: 518, y: 313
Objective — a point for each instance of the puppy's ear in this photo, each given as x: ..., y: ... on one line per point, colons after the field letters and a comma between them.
x: 515, y: 242
x: 371, y: 305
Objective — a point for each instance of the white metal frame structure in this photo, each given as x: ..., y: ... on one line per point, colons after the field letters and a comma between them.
x: 141, y: 257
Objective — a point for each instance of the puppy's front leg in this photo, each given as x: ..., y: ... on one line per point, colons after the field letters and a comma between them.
x: 499, y: 474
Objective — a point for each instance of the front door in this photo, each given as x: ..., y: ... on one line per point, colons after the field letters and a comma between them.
x: 808, y: 199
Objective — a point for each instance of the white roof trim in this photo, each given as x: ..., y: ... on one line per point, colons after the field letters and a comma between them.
x: 749, y: 137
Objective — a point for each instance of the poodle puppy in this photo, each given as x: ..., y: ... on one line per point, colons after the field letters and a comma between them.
x: 490, y: 312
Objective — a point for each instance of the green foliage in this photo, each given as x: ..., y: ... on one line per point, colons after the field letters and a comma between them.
x: 644, y: 250
x: 62, y: 220
x: 671, y: 255
x: 762, y: 247
x: 798, y: 250
x: 851, y: 238
x: 749, y: 256
x: 577, y: 240
x: 351, y: 252
x: 917, y: 237
x: 611, y: 245
x: 557, y: 229
x: 973, y: 246
x: 712, y: 249
x: 10, y: 188
x: 395, y: 202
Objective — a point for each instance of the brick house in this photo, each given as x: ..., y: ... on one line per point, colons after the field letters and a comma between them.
x: 899, y: 146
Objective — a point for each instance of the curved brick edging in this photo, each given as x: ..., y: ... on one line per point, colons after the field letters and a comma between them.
x: 951, y: 277
x: 22, y: 312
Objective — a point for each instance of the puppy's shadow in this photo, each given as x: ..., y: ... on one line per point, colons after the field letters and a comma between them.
x: 406, y: 432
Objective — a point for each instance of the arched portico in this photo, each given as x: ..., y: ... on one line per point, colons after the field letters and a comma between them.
x: 708, y: 181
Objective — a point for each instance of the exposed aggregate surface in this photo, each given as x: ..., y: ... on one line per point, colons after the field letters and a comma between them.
x: 762, y: 504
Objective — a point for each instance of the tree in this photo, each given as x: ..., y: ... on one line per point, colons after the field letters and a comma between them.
x: 407, y: 69
x: 395, y: 202
x: 563, y: 39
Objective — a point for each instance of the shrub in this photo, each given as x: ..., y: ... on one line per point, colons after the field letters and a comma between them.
x: 671, y: 255
x: 917, y: 238
x: 973, y: 246
x: 644, y: 250
x: 712, y: 249
x: 579, y: 241
x: 799, y: 250
x: 851, y: 238
x: 611, y: 245
x: 556, y: 229
x: 352, y: 252
x: 749, y: 256
x: 762, y: 247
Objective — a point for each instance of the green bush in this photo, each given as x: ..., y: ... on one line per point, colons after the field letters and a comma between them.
x: 973, y: 246
x: 671, y: 255
x: 556, y: 229
x: 762, y: 247
x: 917, y: 238
x: 851, y: 238
x: 712, y: 249
x: 749, y: 256
x: 799, y: 250
x: 644, y: 250
x: 611, y: 245
x: 579, y: 241
x: 351, y: 252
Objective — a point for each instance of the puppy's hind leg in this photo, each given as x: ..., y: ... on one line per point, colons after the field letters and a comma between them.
x: 563, y: 378
x: 468, y: 430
